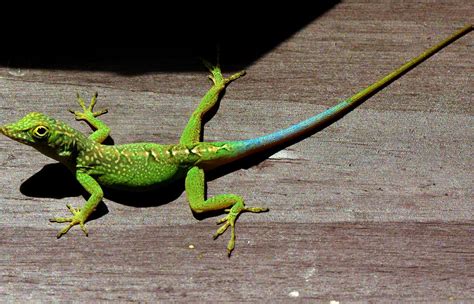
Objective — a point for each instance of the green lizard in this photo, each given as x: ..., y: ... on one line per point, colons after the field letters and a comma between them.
x: 139, y: 166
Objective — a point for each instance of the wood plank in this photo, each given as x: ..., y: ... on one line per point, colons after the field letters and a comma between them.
x: 376, y: 207
x: 335, y: 261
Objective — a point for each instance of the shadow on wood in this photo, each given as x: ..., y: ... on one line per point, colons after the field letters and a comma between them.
x: 173, y: 40
x: 56, y: 181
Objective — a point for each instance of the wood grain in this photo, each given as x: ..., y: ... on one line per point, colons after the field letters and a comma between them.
x: 376, y: 207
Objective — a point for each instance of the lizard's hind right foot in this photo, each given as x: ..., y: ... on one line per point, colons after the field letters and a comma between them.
x: 216, y: 74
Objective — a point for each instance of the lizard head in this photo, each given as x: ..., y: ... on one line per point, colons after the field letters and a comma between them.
x: 33, y: 129
x: 48, y: 135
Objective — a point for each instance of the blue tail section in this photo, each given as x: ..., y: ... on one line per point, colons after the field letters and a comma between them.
x: 300, y: 129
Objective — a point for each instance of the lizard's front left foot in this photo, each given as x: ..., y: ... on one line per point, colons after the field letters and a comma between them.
x: 229, y: 221
x: 77, y: 219
x: 87, y: 112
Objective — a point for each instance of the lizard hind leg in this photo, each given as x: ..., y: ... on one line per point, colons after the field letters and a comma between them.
x: 192, y: 132
x: 230, y: 203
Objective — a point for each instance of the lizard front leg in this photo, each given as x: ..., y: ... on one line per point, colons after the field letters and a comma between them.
x: 80, y: 215
x: 88, y: 115
x: 230, y: 203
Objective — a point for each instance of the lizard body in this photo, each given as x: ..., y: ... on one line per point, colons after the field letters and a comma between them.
x: 139, y: 166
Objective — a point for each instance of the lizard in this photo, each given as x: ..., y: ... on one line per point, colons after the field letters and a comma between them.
x: 139, y: 166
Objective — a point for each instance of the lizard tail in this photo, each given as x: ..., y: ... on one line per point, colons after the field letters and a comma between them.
x: 315, y: 123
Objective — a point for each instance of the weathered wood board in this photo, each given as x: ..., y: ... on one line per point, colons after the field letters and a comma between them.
x: 377, y: 206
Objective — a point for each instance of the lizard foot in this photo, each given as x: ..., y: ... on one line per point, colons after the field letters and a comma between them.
x: 216, y: 74
x: 229, y: 221
x: 76, y: 219
x: 87, y: 111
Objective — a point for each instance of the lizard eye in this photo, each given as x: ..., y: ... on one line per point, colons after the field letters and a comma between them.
x: 40, y: 131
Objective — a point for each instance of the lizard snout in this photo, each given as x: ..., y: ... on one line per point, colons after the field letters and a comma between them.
x: 5, y: 130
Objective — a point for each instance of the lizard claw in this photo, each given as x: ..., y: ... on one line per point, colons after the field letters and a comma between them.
x: 101, y: 112
x: 80, y: 101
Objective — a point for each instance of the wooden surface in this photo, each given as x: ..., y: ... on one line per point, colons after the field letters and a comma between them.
x: 376, y: 207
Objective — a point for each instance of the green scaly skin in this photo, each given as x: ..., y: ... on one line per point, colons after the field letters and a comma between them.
x: 139, y: 166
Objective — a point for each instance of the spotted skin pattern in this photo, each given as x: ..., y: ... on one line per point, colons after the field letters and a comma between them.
x: 140, y: 166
